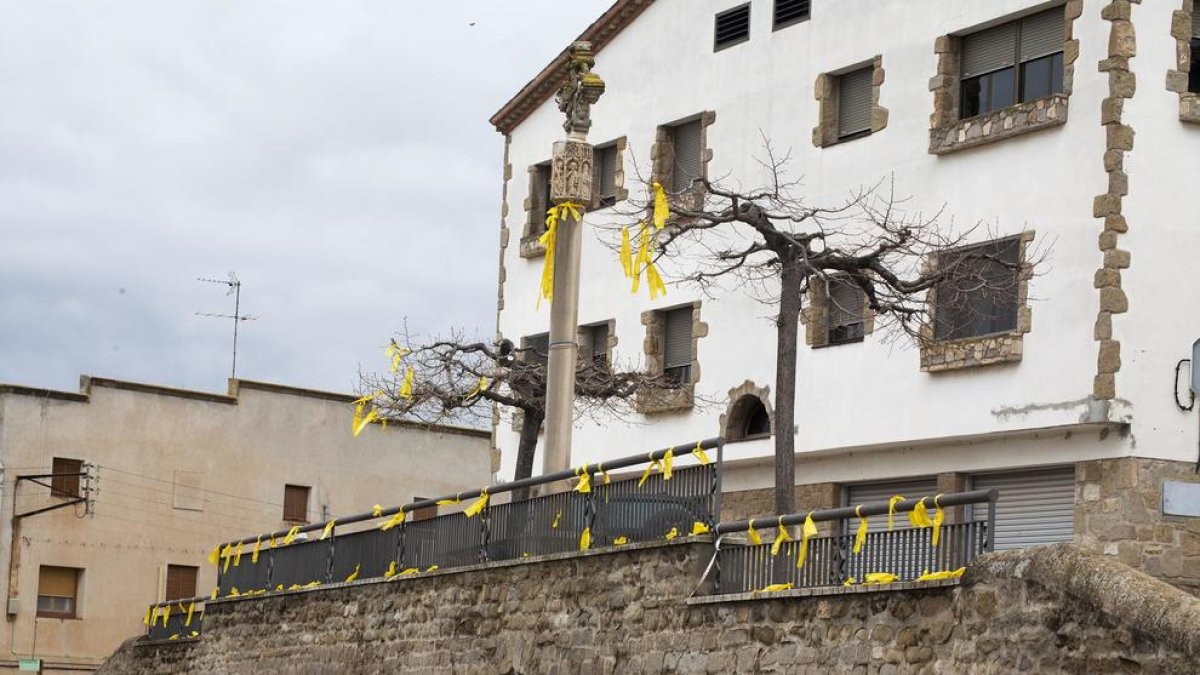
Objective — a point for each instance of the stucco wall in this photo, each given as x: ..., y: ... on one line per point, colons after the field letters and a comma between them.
x: 1049, y: 610
x: 246, y: 448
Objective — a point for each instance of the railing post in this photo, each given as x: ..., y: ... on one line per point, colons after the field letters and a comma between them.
x: 485, y: 531
x: 331, y: 555
x: 715, y: 501
x: 590, y: 505
x: 400, y: 541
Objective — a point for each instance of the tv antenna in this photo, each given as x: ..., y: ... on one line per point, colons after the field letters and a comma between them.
x: 235, y: 289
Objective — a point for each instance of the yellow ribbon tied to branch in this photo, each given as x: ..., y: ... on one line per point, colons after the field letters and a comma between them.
x: 892, y: 509
x: 701, y: 456
x: 395, y: 520
x: 939, y: 517
x: 860, y: 537
x: 479, y: 388
x: 755, y: 537
x: 781, y: 536
x: 549, y: 240
x: 328, y: 529
x: 807, y: 532
x: 361, y: 420
x: 396, y: 353
x: 479, y: 505
x: 644, y: 262
x: 291, y: 535
x: 406, y: 387
x: 919, y: 516
x: 662, y: 208
x: 584, y: 485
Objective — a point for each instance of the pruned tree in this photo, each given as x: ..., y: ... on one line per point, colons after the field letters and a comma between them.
x: 778, y: 247
x: 456, y: 380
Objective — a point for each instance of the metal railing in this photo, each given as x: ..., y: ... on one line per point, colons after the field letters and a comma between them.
x: 170, y: 620
x: 613, y: 512
x: 905, y: 552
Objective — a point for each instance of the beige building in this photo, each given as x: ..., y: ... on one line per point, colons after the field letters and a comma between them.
x: 150, y: 478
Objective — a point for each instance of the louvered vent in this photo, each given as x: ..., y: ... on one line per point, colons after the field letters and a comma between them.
x: 788, y: 12
x: 732, y: 27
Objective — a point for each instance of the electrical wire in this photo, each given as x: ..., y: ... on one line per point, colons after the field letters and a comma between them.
x: 170, y: 494
x: 171, y: 482
x: 214, y: 529
x: 242, y: 520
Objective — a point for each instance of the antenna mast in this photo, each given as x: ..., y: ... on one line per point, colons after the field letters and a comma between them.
x: 235, y: 289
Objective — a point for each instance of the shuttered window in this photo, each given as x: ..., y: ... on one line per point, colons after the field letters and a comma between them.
x: 65, y: 482
x: 538, y: 348
x: 788, y: 12
x: 58, y: 592
x: 1036, y: 507
x: 865, y: 493
x: 1014, y: 62
x: 1196, y: 22
x: 677, y: 344
x: 854, y: 103
x: 979, y: 295
x: 605, y: 170
x: 688, y: 150
x: 295, y: 503
x: 181, y: 582
x: 902, y: 559
x: 847, y: 303
x: 1194, y: 75
x: 539, y: 193
x: 731, y: 27
x: 593, y: 348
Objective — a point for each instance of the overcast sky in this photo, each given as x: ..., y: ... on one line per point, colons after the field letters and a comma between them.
x: 336, y: 155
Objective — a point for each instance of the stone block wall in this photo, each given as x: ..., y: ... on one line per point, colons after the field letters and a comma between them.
x: 631, y: 610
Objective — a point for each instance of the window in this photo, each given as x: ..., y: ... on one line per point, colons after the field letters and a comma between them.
x: 731, y: 27
x: 295, y: 503
x: 788, y: 12
x: 1194, y: 73
x: 845, y: 320
x: 748, y: 419
x: 854, y: 103
x: 181, y: 582
x: 593, y: 344
x: 605, y: 170
x: 65, y: 482
x: 537, y: 348
x: 539, y: 196
x: 687, y: 144
x: 1012, y: 63
x: 677, y: 344
x: 979, y: 296
x: 58, y: 591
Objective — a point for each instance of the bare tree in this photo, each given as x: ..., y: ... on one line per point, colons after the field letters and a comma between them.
x: 455, y: 380
x: 777, y: 247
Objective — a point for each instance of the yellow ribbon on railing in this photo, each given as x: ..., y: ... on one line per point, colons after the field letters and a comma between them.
x: 699, y: 528
x: 291, y: 535
x: 880, y: 578
x: 755, y: 538
x: 409, y: 572
x: 188, y: 622
x: 781, y: 536
x: 673, y: 533
x: 150, y: 615
x: 607, y: 478
x: 939, y: 576
x: 431, y: 568
x: 698, y: 451
x: 939, y: 517
x: 377, y: 510
x: 328, y: 529
x: 272, y: 544
x: 166, y: 614
x: 649, y: 469
x: 450, y: 502
x: 807, y: 532
x: 584, y: 485
x: 662, y: 208
x: 774, y: 588
x: 214, y: 593
x: 396, y: 353
x: 395, y: 520
x: 667, y: 460
x: 557, y: 519
x: 214, y: 558
x: 354, y: 574
x: 585, y: 539
x: 479, y: 505
x: 621, y: 541
x: 227, y: 554
x: 860, y: 537
x: 391, y: 570
x: 406, y: 387
x: 254, y: 553
x: 233, y: 592
x: 237, y: 556
x: 892, y: 509
x: 919, y: 516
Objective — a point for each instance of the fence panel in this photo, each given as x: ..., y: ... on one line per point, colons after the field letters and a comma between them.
x: 452, y: 540
x: 300, y: 564
x: 539, y: 526
x: 177, y: 624
x: 371, y: 552
x: 651, y: 511
x: 246, y: 575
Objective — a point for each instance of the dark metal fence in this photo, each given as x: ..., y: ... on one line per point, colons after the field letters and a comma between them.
x: 906, y: 552
x: 170, y: 620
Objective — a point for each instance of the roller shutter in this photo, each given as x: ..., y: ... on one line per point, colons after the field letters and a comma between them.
x: 677, y: 347
x: 989, y: 50
x: 686, y: 141
x: 1042, y: 34
x: 854, y: 102
x: 1036, y: 507
x: 1196, y: 20
x: 913, y: 488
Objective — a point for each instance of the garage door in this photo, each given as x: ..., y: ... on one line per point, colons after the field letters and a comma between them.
x: 903, y: 555
x: 1036, y: 507
x: 864, y: 493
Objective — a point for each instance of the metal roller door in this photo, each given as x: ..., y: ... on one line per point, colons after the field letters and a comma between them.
x: 1036, y: 507
x: 913, y: 488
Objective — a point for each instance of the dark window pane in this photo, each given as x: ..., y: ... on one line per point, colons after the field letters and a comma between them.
x: 979, y: 296
x: 972, y: 96
x: 1035, y: 79
x: 1194, y: 76
x: 1056, y: 73
x: 1001, y: 92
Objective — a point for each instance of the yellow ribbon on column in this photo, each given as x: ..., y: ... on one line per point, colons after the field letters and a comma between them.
x: 781, y: 536
x: 188, y: 621
x: 807, y: 532
x: 662, y: 208
x: 479, y: 505
x: 892, y: 509
x: 361, y: 421
x: 919, y: 516
x: 939, y: 517
x: 328, y: 529
x: 584, y: 485
x: 393, y: 521
x: 291, y: 535
x: 406, y: 387
x: 755, y: 538
x: 698, y: 451
x: 549, y: 240
x: 860, y: 537
x: 254, y: 553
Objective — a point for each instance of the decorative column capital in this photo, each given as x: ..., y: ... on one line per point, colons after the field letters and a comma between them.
x: 582, y: 89
x: 571, y: 172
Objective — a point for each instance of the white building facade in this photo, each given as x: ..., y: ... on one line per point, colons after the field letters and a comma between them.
x: 1067, y: 125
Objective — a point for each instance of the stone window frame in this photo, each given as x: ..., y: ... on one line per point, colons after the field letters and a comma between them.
x: 732, y: 419
x: 980, y: 350
x: 535, y: 219
x: 518, y: 416
x: 949, y: 133
x: 609, y: 344
x: 1177, y: 80
x: 622, y: 145
x: 662, y: 158
x: 815, y: 316
x: 654, y: 402
x: 825, y: 134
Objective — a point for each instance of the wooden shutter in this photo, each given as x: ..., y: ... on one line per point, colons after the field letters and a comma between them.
x: 181, y: 582
x: 790, y: 11
x: 1042, y: 34
x: 677, y: 339
x: 65, y: 485
x: 854, y: 102
x: 1036, y: 507
x: 685, y: 139
x: 295, y: 503
x: 732, y: 26
x: 989, y: 50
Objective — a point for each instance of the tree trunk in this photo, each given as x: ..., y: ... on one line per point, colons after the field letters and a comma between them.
x: 530, y: 426
x: 790, y: 279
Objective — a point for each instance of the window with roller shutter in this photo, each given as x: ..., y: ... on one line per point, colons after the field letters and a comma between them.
x: 854, y: 103
x: 789, y: 12
x: 677, y: 344
x: 1012, y: 63
x: 845, y: 317
x: 1036, y: 506
x: 688, y: 150
x: 58, y: 592
x: 604, y: 168
x: 593, y: 344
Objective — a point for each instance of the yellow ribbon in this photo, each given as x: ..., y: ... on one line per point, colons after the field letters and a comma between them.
x: 431, y: 568
x: 328, y: 529
x: 395, y: 520
x: 807, y: 532
x: 880, y: 578
x: 939, y: 517
x: 698, y: 451
x: 607, y: 478
x: 673, y: 533
x: 360, y: 420
x: 626, y: 253
x: 700, y: 528
x: 291, y: 535
x: 892, y: 509
x: 585, y: 539
x: 774, y: 588
x: 377, y: 510
x: 584, y: 485
x: 410, y: 571
x: 450, y: 502
x: 391, y: 570
x: 166, y: 614
x: 214, y: 558
x: 272, y: 544
x: 549, y: 240
x: 354, y: 574
x: 233, y: 593
x: 396, y: 353
x: 479, y: 388
x: 237, y: 556
x: 668, y: 458
x: 662, y: 209
x: 649, y: 469
x: 780, y: 537
x: 860, y: 537
x: 150, y: 614
x: 621, y: 541
x: 755, y: 538
x: 919, y: 516
x: 406, y: 387
x: 479, y: 505
x: 226, y: 553
x: 850, y: 581
x: 645, y: 261
x: 188, y: 622
x: 939, y: 576
x: 557, y: 518
x: 213, y: 595
x: 254, y: 553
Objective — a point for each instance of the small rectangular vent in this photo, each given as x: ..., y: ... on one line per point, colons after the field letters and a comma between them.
x: 732, y: 27
x: 788, y: 12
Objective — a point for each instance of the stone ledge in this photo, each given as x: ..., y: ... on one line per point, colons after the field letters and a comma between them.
x: 821, y: 591
x: 654, y: 402
x: 531, y: 247
x: 167, y: 643
x: 1023, y: 118
x: 975, y: 352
